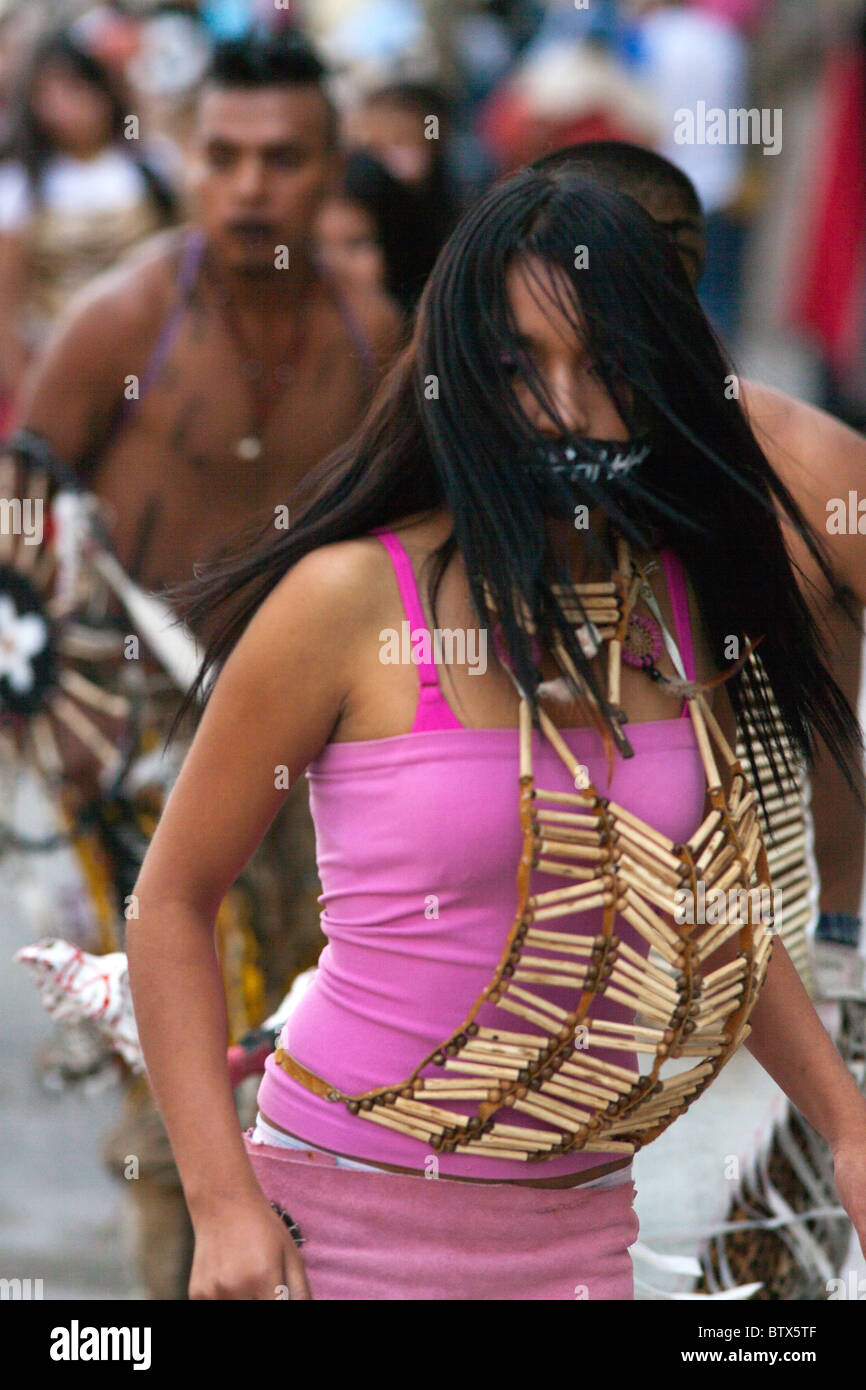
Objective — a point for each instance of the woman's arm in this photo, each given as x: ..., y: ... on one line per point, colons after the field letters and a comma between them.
x: 274, y: 707
x: 793, y: 1046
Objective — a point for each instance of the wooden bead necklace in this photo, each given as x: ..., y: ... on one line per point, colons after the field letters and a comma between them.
x: 528, y: 1057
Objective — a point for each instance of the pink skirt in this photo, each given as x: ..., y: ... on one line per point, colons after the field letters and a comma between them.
x: 389, y: 1236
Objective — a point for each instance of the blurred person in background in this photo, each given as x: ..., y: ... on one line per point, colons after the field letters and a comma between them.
x: 250, y: 365
x: 406, y: 125
x: 572, y: 84
x: 227, y: 19
x: 686, y: 55
x: 172, y: 53
x: 827, y: 298
x: 75, y: 194
x: 748, y: 15
x: 234, y: 297
x: 375, y: 38
x: 110, y: 31
x: 10, y: 57
x: 376, y: 232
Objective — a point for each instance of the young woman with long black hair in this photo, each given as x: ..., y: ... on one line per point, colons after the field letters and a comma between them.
x: 562, y: 404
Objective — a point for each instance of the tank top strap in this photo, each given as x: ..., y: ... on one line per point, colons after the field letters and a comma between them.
x: 675, y: 576
x: 411, y: 598
x: 433, y: 712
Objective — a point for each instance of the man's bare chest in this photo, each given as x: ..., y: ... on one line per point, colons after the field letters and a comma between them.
x: 179, y: 476
x: 208, y: 403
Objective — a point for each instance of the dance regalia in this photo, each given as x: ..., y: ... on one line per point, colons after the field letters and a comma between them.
x: 91, y: 684
x: 608, y: 858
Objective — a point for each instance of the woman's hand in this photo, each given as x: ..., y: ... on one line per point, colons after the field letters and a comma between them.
x: 246, y: 1252
x: 849, y: 1173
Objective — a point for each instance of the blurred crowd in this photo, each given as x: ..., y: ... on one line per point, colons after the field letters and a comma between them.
x: 97, y: 124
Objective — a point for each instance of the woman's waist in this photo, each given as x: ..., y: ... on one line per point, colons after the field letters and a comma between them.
x: 312, y: 1116
x: 601, y: 1175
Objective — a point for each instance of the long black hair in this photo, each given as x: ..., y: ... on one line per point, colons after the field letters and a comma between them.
x: 33, y: 146
x: 446, y: 430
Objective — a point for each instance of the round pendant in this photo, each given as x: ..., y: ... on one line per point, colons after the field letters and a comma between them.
x: 643, y: 641
x: 249, y: 449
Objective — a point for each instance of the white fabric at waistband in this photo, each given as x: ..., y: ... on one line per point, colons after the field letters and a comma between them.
x: 263, y: 1133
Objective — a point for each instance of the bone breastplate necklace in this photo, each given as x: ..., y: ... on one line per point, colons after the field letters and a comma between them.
x: 551, y: 1062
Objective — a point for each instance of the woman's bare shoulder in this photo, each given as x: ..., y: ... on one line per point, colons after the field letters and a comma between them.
x: 339, y: 575
x: 345, y: 586
x: 308, y: 634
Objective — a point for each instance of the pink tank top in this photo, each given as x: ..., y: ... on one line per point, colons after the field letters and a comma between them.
x: 417, y: 842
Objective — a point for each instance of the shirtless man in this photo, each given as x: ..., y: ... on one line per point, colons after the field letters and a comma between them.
x: 817, y: 459
x: 195, y: 386
x: 191, y: 389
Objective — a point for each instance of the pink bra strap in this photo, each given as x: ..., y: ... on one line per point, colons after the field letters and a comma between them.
x: 676, y: 581
x: 433, y: 710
